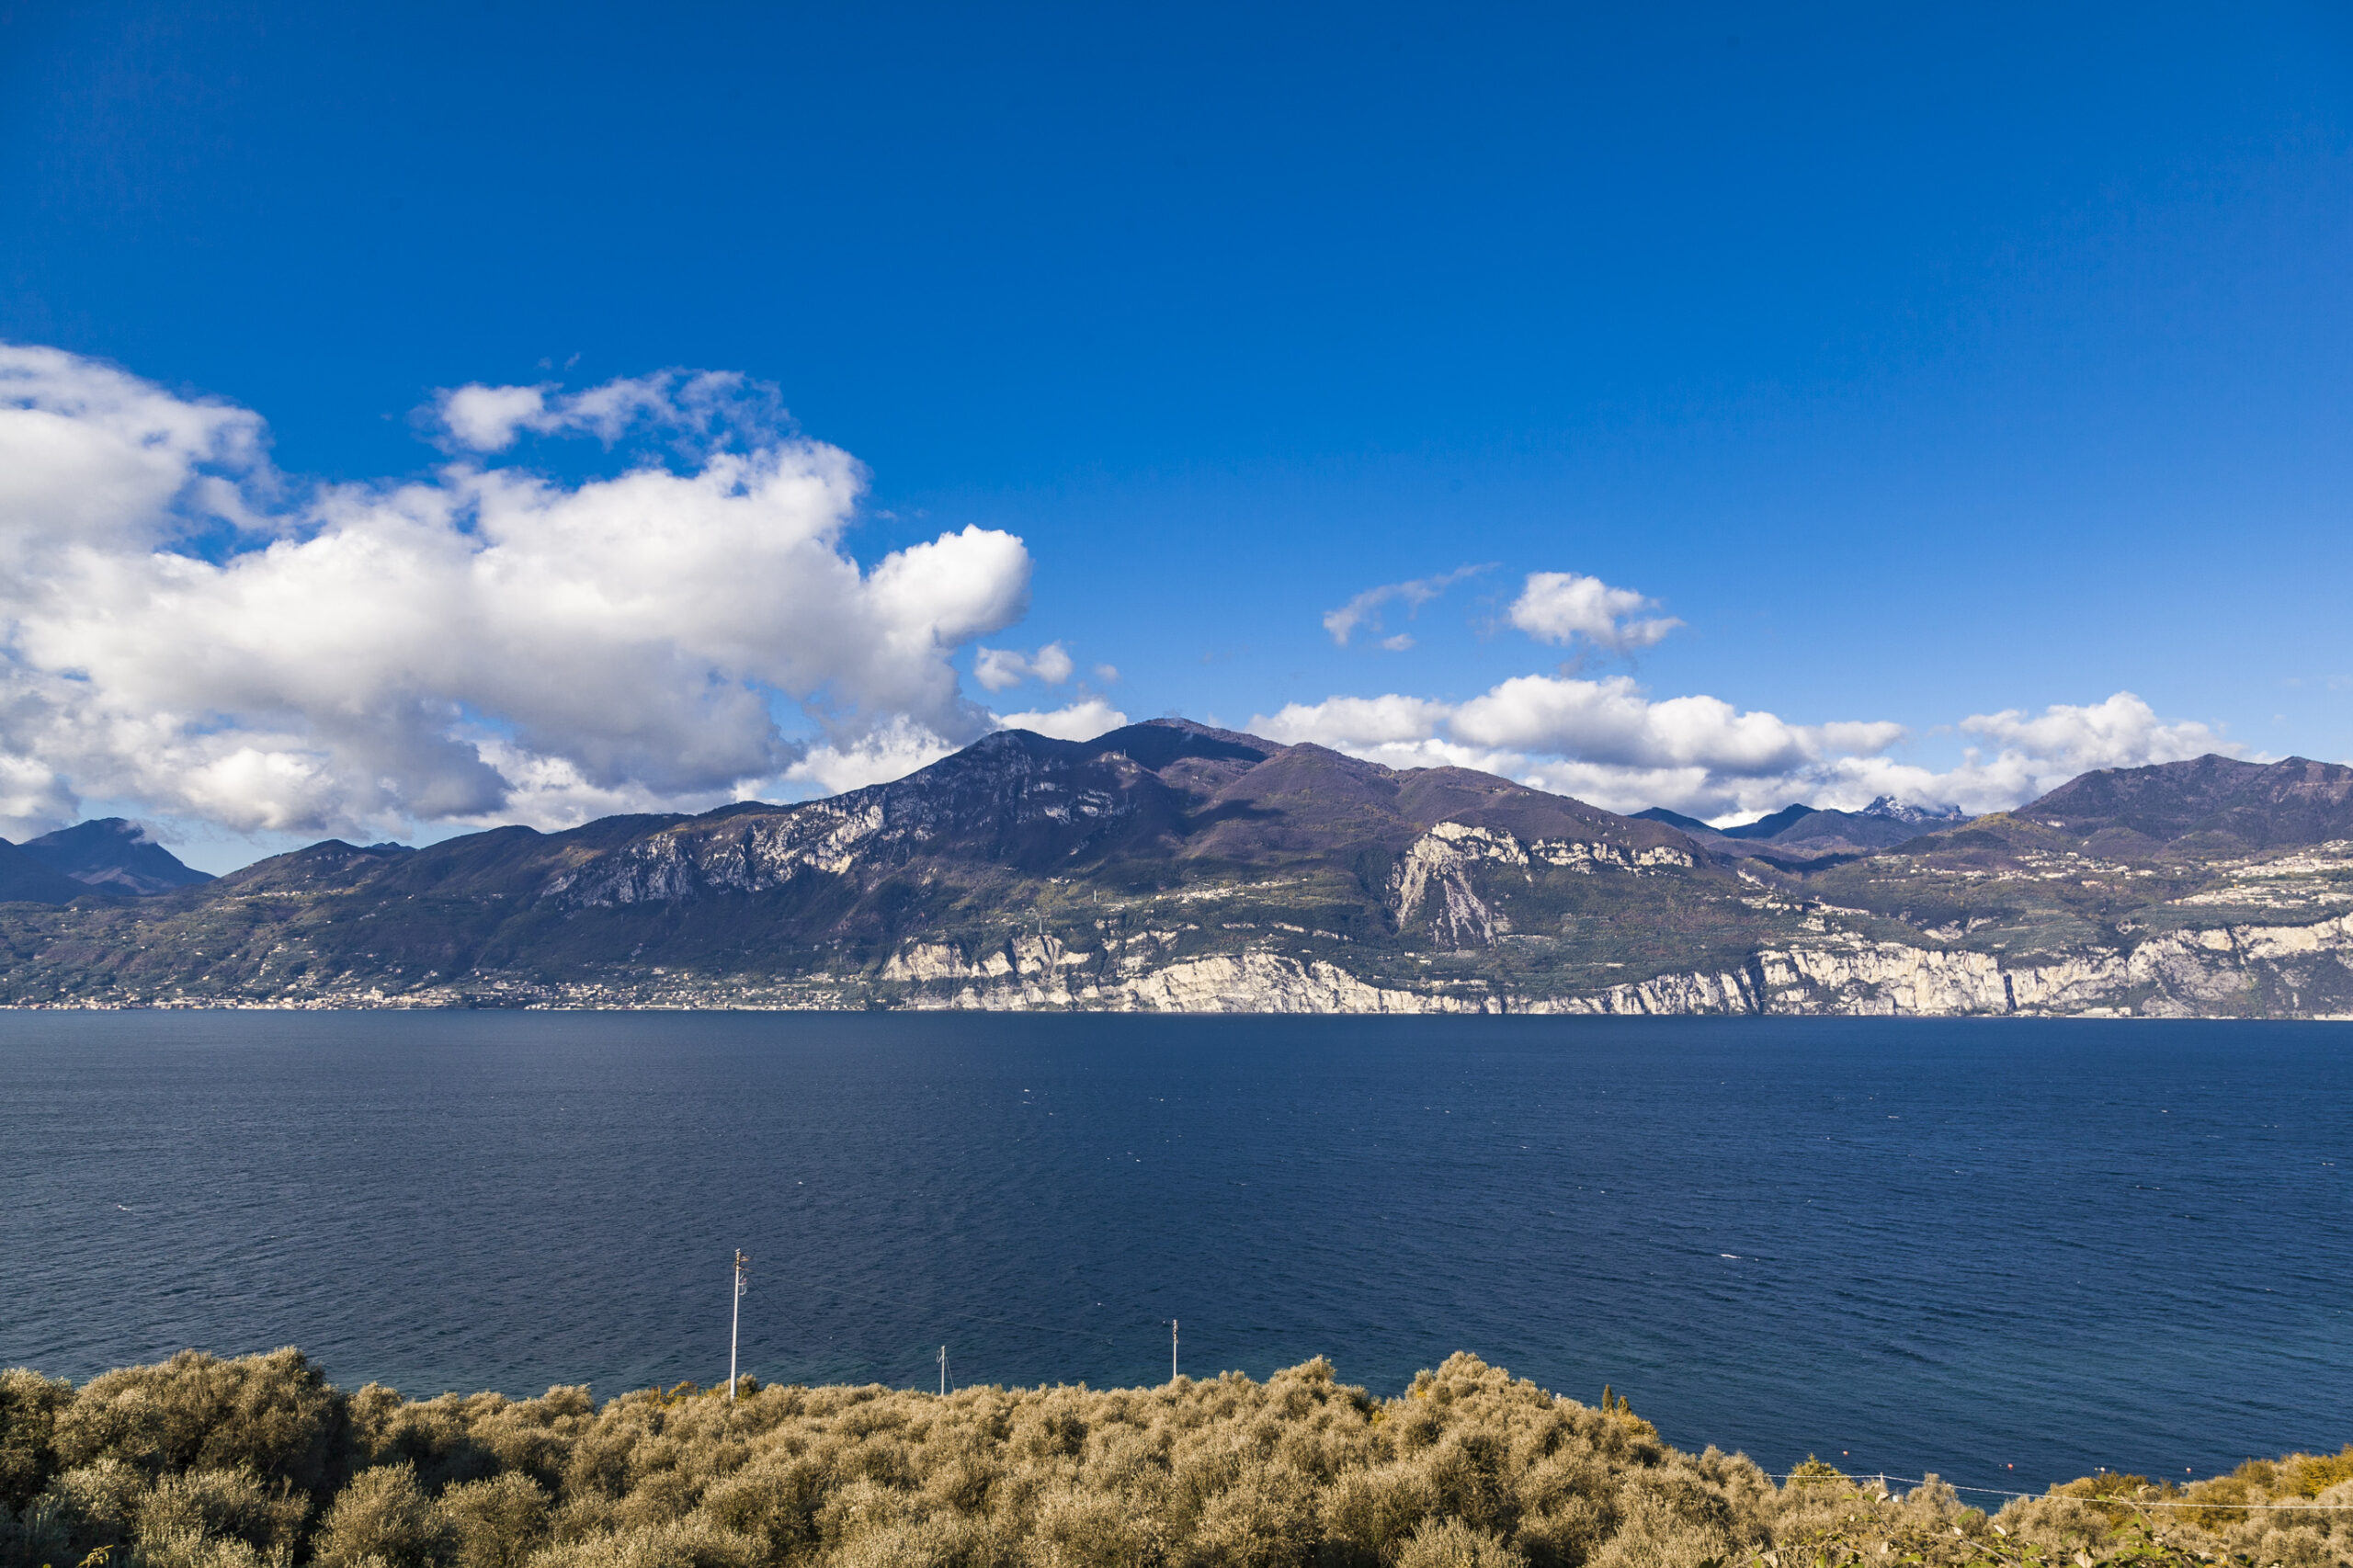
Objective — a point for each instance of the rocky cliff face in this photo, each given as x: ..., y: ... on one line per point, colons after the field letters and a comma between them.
x: 2268, y: 970
x: 1431, y: 885
x: 2272, y: 971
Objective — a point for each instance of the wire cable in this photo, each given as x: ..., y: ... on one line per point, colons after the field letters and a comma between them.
x: 1784, y: 1477
x: 973, y: 1317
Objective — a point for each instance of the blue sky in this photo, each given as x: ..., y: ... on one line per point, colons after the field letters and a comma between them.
x: 1926, y: 366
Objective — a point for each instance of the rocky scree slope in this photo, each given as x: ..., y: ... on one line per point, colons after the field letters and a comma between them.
x: 1169, y: 866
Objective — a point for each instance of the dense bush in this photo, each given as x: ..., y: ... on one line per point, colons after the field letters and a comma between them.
x: 258, y: 1463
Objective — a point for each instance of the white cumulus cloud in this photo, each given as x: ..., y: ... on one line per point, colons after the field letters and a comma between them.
x: 1080, y: 721
x: 891, y: 750
x: 999, y: 668
x: 487, y: 419
x: 902, y: 746
x: 1608, y: 742
x: 1560, y: 607
x: 696, y: 406
x: 186, y: 628
x: 1352, y: 723
x: 2122, y: 732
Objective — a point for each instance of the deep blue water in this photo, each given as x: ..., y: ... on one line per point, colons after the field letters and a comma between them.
x: 1903, y: 1245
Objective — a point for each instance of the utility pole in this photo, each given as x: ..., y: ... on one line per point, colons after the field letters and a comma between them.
x: 943, y: 1371
x: 1172, y: 1350
x: 736, y: 1320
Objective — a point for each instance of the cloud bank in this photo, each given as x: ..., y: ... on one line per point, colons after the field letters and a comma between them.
x: 186, y: 628
x: 1608, y: 742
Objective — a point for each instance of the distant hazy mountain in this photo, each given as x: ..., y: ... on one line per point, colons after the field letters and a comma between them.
x: 24, y: 880
x: 1802, y: 832
x: 107, y: 855
x: 1172, y: 866
x: 114, y: 855
x: 1767, y: 826
x: 1672, y: 819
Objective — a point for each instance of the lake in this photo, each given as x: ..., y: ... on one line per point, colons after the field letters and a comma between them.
x: 2007, y: 1252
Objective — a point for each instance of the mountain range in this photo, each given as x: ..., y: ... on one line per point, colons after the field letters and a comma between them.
x: 1172, y: 866
x: 1803, y: 833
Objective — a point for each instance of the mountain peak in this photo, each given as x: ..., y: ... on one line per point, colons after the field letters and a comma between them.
x: 1766, y: 828
x: 115, y: 855
x: 2220, y: 799
x: 1889, y: 807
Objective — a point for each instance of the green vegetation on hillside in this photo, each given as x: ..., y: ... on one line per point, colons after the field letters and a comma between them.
x: 207, y: 1463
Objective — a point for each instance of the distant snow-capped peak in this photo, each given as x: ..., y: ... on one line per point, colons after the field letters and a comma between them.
x: 1888, y: 806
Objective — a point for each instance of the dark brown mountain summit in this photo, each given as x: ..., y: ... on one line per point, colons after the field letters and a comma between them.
x: 2211, y: 803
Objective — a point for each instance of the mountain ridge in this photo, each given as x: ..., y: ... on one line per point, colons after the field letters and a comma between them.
x: 1170, y: 865
x: 1798, y: 836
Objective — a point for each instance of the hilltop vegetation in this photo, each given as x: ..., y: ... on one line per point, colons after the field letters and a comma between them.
x: 258, y: 1463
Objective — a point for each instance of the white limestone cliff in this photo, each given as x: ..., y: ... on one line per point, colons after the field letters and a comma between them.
x: 1440, y: 861
x: 2181, y: 974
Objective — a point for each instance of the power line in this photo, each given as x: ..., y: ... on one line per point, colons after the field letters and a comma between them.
x: 1099, y: 1337
x: 977, y: 1317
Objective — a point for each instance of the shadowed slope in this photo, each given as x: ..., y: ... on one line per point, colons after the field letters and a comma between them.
x: 114, y: 854
x: 23, y: 879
